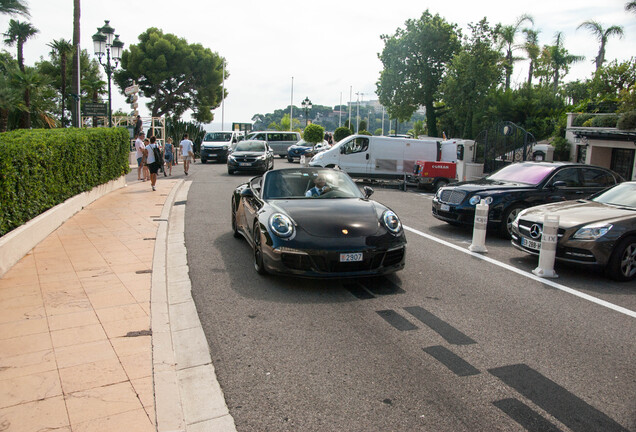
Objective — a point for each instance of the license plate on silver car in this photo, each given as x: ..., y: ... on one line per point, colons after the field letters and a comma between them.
x: 351, y: 257
x: 530, y: 244
x: 245, y: 164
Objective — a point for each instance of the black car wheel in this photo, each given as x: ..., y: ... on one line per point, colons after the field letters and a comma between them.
x: 509, y: 216
x: 622, y: 263
x: 234, y: 225
x: 290, y: 159
x: 440, y: 183
x: 203, y: 160
x: 230, y: 171
x: 258, y: 251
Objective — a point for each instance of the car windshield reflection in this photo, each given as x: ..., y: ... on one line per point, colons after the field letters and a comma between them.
x: 522, y: 173
x: 623, y: 195
x: 217, y: 136
x: 253, y: 146
x: 309, y: 184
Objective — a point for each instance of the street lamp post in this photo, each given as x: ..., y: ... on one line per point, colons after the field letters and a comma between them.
x: 306, y: 104
x: 105, y: 41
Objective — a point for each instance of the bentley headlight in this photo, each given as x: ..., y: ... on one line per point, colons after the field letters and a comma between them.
x: 592, y: 231
x: 281, y: 225
x: 391, y: 222
x: 476, y: 199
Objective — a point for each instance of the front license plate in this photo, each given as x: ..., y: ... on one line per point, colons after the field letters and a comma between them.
x: 530, y: 244
x: 351, y: 257
x: 245, y: 164
x: 444, y: 207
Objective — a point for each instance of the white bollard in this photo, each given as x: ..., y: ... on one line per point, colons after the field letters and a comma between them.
x: 479, y: 229
x: 547, y: 255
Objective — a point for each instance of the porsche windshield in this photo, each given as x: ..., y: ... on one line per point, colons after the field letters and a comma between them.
x: 309, y: 184
x: 623, y: 195
x: 522, y: 173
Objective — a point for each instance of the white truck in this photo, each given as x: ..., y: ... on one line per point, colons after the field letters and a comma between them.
x: 385, y: 157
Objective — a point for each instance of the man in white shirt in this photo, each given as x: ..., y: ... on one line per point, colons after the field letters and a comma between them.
x: 139, y: 154
x: 187, y: 150
x: 321, y: 187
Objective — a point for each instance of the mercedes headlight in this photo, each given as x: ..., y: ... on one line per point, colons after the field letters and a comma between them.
x: 391, y: 222
x: 476, y: 199
x: 281, y: 225
x: 592, y: 231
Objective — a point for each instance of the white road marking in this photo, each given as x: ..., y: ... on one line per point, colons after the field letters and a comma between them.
x: 549, y: 282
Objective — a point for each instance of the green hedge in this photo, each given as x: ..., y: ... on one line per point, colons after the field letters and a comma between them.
x: 605, y: 121
x: 41, y: 168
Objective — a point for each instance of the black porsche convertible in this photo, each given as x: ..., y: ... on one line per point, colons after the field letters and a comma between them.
x: 315, y: 222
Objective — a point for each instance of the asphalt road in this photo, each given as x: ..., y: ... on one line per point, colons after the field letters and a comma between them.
x: 451, y: 343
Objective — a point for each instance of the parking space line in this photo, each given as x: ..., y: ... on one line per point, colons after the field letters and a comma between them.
x: 548, y: 282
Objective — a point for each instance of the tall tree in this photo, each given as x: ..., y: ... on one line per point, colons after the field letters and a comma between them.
x: 62, y: 48
x: 506, y: 36
x: 17, y: 34
x: 9, y: 99
x: 415, y: 59
x: 554, y: 62
x: 174, y: 75
x: 75, y: 79
x: 31, y: 82
x: 531, y: 46
x: 14, y: 7
x: 601, y: 35
x: 472, y: 75
x: 630, y: 6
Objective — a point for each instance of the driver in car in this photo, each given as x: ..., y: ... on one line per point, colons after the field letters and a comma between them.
x: 320, y: 187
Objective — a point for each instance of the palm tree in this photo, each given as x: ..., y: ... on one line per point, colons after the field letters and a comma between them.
x: 76, y: 72
x: 9, y: 99
x: 29, y: 81
x: 506, y: 36
x: 62, y: 48
x: 531, y: 46
x: 18, y: 34
x: 602, y: 35
x: 14, y: 7
x: 560, y: 60
x: 630, y: 6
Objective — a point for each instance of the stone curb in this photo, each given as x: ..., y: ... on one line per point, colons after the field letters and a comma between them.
x: 188, y: 396
x: 17, y: 243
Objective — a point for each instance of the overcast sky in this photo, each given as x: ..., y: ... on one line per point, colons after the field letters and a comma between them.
x: 328, y: 47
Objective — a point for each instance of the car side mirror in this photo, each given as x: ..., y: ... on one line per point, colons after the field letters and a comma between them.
x: 368, y: 191
x: 559, y: 184
x: 247, y: 193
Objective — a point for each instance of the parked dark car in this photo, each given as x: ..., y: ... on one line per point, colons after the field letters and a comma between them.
x: 519, y: 186
x: 600, y: 231
x: 294, y: 229
x: 302, y: 147
x: 250, y: 155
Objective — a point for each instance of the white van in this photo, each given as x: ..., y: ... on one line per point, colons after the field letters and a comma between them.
x: 216, y: 145
x: 382, y: 157
x: 277, y: 140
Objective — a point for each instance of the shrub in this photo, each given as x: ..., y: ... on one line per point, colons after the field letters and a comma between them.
x: 605, y: 120
x: 580, y: 119
x: 378, y: 132
x: 561, y: 149
x: 627, y: 121
x: 587, y: 123
x: 314, y: 133
x: 341, y: 133
x: 364, y: 132
x: 41, y: 168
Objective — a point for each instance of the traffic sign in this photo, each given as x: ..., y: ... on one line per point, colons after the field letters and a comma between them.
x: 95, y: 109
x: 132, y: 89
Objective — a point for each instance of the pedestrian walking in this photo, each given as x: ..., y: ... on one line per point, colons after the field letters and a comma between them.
x: 187, y: 153
x: 153, y: 160
x: 144, y: 161
x: 139, y: 125
x: 139, y: 153
x: 168, y: 154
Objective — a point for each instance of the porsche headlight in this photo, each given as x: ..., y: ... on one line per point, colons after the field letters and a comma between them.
x: 475, y: 199
x: 281, y: 225
x: 592, y: 231
x: 391, y: 222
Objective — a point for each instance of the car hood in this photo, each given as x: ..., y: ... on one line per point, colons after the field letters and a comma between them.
x: 485, y: 185
x: 328, y: 217
x: 575, y: 213
x: 299, y: 147
x: 247, y: 154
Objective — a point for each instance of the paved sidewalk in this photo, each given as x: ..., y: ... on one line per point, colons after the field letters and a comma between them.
x: 75, y: 344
